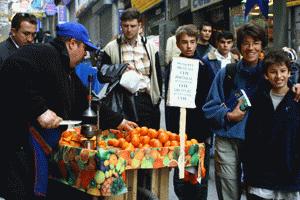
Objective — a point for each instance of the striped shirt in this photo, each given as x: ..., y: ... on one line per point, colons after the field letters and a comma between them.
x: 135, y: 55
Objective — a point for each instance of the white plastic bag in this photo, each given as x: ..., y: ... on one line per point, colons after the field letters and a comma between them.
x: 133, y: 81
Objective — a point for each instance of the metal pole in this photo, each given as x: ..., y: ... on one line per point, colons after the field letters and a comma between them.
x: 280, y: 28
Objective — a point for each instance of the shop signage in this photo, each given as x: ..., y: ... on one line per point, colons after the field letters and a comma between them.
x: 143, y: 5
x: 49, y: 1
x: 66, y: 2
x: 120, y: 12
x: 37, y: 4
x: 198, y: 4
x: 61, y: 14
x: 290, y: 3
x: 50, y: 9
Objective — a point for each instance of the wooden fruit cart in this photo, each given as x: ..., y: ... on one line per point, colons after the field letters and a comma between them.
x: 112, y: 173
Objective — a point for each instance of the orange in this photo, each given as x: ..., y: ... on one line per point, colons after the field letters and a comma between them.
x: 143, y: 131
x: 102, y: 143
x: 194, y: 141
x: 152, y: 133
x: 163, y: 137
x: 130, y: 147
x: 172, y: 136
x: 177, y: 138
x: 155, y: 143
x: 113, y: 142
x: 167, y: 144
x: 128, y: 138
x: 174, y: 143
x: 125, y: 144
x: 146, y: 146
x: 161, y: 130
x: 133, y: 132
x: 188, y: 143
x: 135, y: 140
x: 138, y: 129
x: 145, y: 139
x: 121, y: 140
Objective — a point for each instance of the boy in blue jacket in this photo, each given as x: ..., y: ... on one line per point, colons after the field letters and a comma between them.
x: 272, y: 140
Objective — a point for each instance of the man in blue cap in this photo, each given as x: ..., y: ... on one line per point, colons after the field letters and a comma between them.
x: 44, y: 91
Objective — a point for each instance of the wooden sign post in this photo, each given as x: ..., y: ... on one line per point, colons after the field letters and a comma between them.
x: 182, y: 93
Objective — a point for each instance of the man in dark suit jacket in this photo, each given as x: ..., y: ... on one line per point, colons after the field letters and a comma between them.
x: 22, y: 32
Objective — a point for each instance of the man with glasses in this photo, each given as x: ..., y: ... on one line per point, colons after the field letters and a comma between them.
x: 22, y: 32
x: 45, y: 90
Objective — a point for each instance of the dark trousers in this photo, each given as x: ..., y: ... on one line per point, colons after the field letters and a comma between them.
x: 57, y: 190
x: 18, y: 176
x: 185, y: 190
x: 148, y: 114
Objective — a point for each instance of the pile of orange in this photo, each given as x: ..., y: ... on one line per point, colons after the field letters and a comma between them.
x: 72, y: 137
x: 144, y: 137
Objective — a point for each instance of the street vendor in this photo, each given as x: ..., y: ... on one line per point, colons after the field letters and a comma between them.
x: 41, y: 89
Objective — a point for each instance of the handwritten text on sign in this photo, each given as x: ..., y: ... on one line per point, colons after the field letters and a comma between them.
x: 183, y: 82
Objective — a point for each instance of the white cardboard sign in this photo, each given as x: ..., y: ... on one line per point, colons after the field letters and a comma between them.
x: 183, y: 82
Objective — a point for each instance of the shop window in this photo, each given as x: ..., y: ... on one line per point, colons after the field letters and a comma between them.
x: 237, y: 19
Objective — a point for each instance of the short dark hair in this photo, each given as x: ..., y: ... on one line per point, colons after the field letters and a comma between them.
x: 20, y: 17
x: 276, y: 56
x: 189, y: 29
x: 253, y: 30
x: 205, y: 23
x: 130, y: 14
x: 227, y: 35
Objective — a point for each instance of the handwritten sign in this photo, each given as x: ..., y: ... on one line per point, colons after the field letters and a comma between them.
x: 183, y: 82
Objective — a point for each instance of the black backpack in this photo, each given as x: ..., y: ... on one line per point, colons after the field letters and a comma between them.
x: 228, y: 83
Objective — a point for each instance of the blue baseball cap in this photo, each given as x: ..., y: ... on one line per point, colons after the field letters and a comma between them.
x: 76, y: 31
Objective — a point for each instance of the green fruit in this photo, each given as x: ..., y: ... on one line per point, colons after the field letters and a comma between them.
x: 107, y: 175
x: 111, y: 166
x: 193, y: 149
x: 132, y: 154
x: 147, y: 163
x: 135, y: 163
x: 103, y: 154
x: 166, y: 161
x: 195, y: 160
x: 99, y: 177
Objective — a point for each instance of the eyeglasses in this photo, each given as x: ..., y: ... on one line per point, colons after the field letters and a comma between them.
x: 253, y: 44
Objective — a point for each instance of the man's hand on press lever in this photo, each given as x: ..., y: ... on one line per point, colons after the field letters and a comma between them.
x: 49, y: 119
x: 126, y: 125
x: 237, y: 114
x: 296, y: 90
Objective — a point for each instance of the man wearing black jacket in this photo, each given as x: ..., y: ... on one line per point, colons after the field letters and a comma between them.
x: 22, y: 32
x: 41, y: 89
x: 140, y: 56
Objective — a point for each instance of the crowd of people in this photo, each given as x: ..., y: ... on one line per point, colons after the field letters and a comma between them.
x: 255, y: 149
